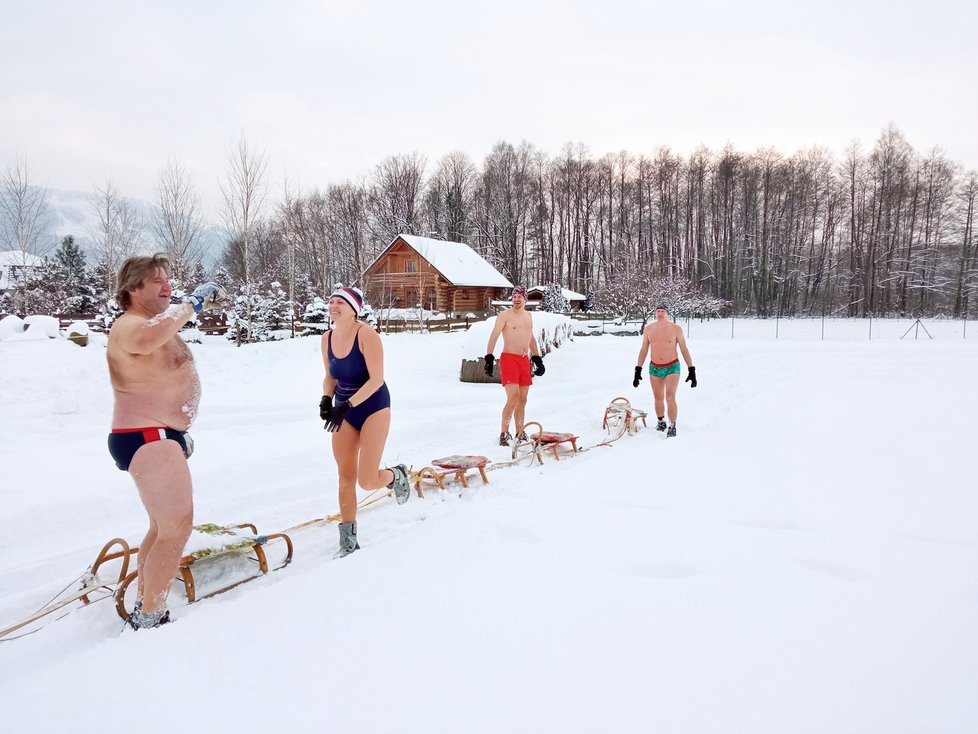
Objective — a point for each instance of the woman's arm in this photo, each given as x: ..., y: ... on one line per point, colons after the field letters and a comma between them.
x: 329, y: 383
x: 373, y: 355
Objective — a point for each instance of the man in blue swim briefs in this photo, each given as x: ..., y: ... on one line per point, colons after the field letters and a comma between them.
x: 156, y: 396
x: 662, y: 338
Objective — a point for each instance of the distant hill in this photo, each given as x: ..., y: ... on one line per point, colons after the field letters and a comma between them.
x: 71, y: 213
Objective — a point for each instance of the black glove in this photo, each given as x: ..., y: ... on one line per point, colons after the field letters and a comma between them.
x: 488, y: 368
x: 538, y: 368
x: 638, y: 377
x: 691, y: 377
x: 336, y: 415
x: 325, y: 407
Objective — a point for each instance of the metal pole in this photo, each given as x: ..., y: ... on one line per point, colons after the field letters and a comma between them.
x: 731, y: 325
x: 777, y: 325
x: 870, y: 327
x: 823, y: 327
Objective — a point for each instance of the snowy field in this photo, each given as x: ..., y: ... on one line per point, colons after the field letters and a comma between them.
x: 803, y: 557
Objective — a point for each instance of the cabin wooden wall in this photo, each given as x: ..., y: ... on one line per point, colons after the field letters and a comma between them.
x: 402, y: 278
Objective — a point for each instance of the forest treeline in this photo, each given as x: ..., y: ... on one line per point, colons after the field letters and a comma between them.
x: 886, y: 230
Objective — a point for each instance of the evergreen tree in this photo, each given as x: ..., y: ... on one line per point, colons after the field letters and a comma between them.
x: 71, y: 258
x: 315, y: 317
x: 554, y: 301
x: 198, y: 275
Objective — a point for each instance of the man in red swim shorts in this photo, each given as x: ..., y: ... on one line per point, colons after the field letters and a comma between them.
x: 516, y: 326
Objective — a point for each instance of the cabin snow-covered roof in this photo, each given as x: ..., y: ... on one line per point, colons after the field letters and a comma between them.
x: 568, y: 294
x: 17, y: 259
x: 459, y: 263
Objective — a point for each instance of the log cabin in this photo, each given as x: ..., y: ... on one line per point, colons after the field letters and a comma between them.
x: 439, y: 275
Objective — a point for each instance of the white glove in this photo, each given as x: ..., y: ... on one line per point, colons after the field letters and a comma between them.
x: 207, y: 296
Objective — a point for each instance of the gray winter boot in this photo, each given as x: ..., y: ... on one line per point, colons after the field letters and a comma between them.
x: 401, y: 484
x: 348, y: 539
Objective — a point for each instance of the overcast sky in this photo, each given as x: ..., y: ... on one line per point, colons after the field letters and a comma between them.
x: 96, y: 89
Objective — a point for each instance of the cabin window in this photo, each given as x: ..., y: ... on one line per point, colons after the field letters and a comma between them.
x: 431, y: 297
x: 465, y: 293
x: 410, y: 266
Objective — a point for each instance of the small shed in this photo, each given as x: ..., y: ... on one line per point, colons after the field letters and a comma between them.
x: 534, y: 297
x: 437, y: 274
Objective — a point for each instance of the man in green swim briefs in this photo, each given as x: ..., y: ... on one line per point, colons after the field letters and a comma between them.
x: 663, y: 337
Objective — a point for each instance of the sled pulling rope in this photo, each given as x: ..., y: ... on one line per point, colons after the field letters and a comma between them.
x: 208, y: 545
x: 89, y: 584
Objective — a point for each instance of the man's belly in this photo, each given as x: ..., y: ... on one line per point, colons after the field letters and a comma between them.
x: 664, y: 355
x: 172, y: 403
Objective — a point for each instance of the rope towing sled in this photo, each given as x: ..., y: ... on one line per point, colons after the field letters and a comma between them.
x: 219, y: 558
x: 215, y: 556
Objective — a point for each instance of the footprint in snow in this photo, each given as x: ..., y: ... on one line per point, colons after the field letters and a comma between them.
x: 833, y: 569
x: 661, y: 570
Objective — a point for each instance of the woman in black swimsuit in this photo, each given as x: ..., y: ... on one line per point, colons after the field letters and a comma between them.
x: 356, y: 408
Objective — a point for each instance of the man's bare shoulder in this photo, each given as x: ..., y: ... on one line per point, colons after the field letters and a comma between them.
x: 125, y: 324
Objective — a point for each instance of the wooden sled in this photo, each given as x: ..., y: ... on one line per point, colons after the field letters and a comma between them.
x: 454, y: 467
x: 213, y: 544
x: 621, y: 415
x: 544, y: 441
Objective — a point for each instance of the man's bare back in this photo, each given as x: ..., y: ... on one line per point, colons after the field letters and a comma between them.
x: 160, y: 388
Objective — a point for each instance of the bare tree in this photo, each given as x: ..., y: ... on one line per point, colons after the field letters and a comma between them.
x: 244, y: 195
x: 394, y: 197
x: 23, y: 211
x: 119, y: 232
x: 449, y: 197
x: 23, y: 215
x: 292, y: 217
x: 178, y: 224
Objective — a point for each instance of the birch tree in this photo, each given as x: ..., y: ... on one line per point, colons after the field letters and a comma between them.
x: 179, y: 223
x: 243, y: 192
x: 119, y: 230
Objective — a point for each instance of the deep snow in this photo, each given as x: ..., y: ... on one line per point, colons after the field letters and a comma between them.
x: 801, y: 558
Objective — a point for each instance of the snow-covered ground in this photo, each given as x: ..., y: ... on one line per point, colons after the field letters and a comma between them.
x: 801, y: 558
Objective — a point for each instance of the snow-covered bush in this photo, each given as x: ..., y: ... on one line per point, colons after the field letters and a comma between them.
x: 315, y: 318
x: 262, y: 317
x: 554, y: 300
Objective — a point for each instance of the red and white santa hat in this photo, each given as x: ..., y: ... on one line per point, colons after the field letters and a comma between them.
x: 353, y: 296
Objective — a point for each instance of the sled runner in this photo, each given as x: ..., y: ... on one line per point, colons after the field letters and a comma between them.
x: 84, y: 590
x: 455, y: 467
x: 208, y: 553
x: 620, y: 417
x: 209, y: 547
x: 542, y: 440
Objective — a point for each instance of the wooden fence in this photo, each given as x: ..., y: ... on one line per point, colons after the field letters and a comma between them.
x: 208, y: 322
x: 421, y: 326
